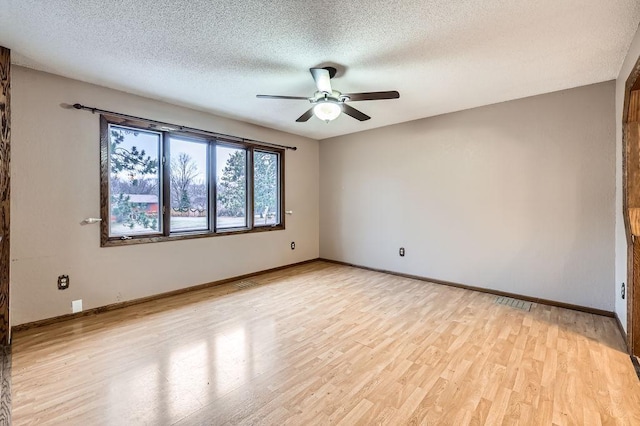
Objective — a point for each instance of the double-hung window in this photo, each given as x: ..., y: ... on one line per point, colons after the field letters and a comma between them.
x: 159, y: 184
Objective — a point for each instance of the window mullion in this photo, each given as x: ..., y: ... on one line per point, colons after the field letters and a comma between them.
x: 250, y: 188
x: 213, y: 187
x: 165, y: 210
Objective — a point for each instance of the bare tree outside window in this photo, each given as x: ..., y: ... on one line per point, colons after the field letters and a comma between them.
x: 189, y: 190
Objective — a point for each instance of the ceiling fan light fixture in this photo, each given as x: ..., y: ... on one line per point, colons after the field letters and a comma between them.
x: 327, y: 110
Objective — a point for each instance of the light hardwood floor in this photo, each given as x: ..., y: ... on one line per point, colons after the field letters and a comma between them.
x: 326, y: 344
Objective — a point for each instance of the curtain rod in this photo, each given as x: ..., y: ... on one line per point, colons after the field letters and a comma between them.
x: 183, y: 128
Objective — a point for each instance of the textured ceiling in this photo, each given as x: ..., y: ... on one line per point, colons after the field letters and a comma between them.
x: 441, y: 55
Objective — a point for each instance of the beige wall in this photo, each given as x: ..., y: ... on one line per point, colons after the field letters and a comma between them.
x: 55, y: 185
x: 517, y: 197
x: 621, y: 239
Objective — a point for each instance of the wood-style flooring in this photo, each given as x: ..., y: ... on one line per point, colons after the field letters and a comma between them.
x: 326, y: 344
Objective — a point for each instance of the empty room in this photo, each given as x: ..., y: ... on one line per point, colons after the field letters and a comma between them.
x: 331, y: 212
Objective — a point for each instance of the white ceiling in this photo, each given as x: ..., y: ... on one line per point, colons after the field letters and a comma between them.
x: 441, y: 55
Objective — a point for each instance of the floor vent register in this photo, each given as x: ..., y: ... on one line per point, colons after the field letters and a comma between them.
x: 514, y: 303
x: 246, y: 284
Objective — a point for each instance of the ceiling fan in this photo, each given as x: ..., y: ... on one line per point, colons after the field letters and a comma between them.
x: 329, y: 103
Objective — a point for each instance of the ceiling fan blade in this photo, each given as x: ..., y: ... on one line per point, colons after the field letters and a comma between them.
x: 306, y: 116
x: 372, y: 96
x: 351, y: 111
x: 302, y: 98
x: 322, y: 78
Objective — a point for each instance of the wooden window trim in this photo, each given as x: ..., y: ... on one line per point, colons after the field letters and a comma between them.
x: 109, y: 241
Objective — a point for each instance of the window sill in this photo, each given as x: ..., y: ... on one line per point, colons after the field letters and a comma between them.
x: 117, y: 241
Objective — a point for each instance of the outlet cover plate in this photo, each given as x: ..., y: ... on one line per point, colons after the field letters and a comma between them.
x: 76, y: 306
x: 63, y: 282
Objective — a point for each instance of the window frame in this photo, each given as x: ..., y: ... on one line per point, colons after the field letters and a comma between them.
x: 164, y: 212
x: 279, y: 183
x: 166, y: 218
x: 160, y: 154
x: 248, y: 192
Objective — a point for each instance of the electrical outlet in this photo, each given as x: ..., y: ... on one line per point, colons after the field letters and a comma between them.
x: 401, y: 252
x: 76, y: 306
x: 293, y: 245
x: 623, y: 291
x: 63, y: 282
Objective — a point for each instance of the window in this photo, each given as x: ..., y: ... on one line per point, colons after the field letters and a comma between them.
x: 159, y: 184
x: 189, y: 185
x: 266, y: 188
x: 231, y: 181
x: 134, y: 181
